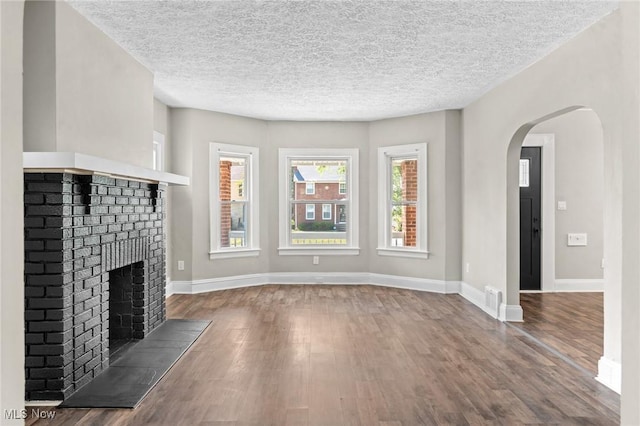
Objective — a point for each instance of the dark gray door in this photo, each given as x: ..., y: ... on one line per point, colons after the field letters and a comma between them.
x: 530, y: 217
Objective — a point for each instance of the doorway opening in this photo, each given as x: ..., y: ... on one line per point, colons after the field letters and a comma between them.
x: 560, y: 280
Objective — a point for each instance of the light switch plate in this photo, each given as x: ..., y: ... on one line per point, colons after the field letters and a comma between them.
x: 562, y: 205
x: 576, y: 239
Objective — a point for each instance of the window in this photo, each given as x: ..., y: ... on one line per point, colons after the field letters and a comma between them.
x: 302, y: 231
x: 326, y: 211
x: 311, y: 211
x: 342, y: 188
x: 310, y: 188
x: 233, y: 201
x: 158, y: 151
x: 402, y: 200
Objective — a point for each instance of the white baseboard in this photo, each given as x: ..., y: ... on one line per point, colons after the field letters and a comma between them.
x: 348, y: 278
x: 610, y: 374
x: 475, y: 296
x: 420, y: 284
x: 579, y: 285
x: 511, y: 313
x: 168, y: 290
x: 216, y: 284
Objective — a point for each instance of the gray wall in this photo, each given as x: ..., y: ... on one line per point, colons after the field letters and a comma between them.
x: 191, y: 133
x: 83, y: 92
x: 594, y: 69
x: 441, y: 132
x: 11, y: 212
x: 579, y: 173
x: 161, y: 124
x: 193, y: 130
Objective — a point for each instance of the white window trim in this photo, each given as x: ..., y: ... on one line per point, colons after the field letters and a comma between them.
x: 384, y: 188
x: 158, y: 141
x: 330, y: 212
x: 351, y: 156
x: 252, y: 193
x: 306, y: 188
x: 306, y: 212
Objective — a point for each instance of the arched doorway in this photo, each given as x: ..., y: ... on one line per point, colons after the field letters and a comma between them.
x: 609, y: 364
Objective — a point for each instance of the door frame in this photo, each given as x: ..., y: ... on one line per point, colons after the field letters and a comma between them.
x: 546, y: 141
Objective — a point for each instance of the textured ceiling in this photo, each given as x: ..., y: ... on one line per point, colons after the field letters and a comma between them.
x: 336, y: 60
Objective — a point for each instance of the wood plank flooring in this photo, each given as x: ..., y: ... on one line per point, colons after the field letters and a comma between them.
x: 571, y: 323
x: 357, y: 355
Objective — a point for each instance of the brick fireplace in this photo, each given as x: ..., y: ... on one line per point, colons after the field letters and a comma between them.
x: 94, y: 274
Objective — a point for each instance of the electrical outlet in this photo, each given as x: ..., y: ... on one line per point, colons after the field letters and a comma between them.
x: 180, y: 265
x: 316, y: 260
x: 468, y: 267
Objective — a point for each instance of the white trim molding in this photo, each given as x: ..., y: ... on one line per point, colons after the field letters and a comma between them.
x: 158, y: 151
x: 351, y: 157
x: 344, y: 278
x: 610, y: 374
x: 579, y: 285
x: 74, y: 162
x: 386, y: 155
x: 511, y: 313
x: 251, y: 200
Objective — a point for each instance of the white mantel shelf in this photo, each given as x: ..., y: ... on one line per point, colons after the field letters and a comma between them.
x: 73, y: 162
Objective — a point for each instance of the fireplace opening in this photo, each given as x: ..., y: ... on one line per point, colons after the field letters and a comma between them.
x: 122, y: 306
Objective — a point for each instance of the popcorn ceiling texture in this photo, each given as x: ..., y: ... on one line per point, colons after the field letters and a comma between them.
x: 328, y: 60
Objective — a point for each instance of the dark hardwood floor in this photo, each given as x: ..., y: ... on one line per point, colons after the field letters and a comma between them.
x: 571, y: 323
x: 361, y: 355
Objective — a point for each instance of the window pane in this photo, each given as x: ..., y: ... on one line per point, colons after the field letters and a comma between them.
x: 317, y: 179
x: 404, y: 179
x: 327, y: 210
x: 342, y: 188
x: 403, y: 225
x: 524, y: 173
x: 310, y: 212
x: 233, y: 175
x: 233, y: 224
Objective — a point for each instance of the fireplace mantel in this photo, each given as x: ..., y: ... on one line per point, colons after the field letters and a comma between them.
x: 73, y: 162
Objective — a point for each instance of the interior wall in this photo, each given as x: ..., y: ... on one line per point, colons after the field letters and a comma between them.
x: 579, y: 181
x: 629, y: 105
x: 99, y: 98
x: 440, y: 130
x: 11, y: 213
x: 40, y: 128
x: 589, y: 70
x: 192, y: 131
x: 161, y: 125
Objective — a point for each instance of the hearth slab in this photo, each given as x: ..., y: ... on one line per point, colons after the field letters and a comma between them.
x: 127, y: 381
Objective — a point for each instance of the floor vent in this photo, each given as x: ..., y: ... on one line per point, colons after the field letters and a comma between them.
x: 492, y: 299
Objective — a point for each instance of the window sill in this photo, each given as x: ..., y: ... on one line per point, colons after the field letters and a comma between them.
x: 318, y: 251
x: 229, y: 254
x: 410, y: 253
